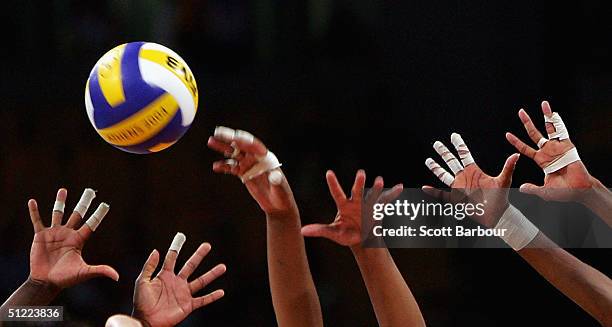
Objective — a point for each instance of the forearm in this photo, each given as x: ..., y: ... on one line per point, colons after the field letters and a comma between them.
x: 586, y: 286
x: 294, y: 295
x: 599, y: 200
x: 32, y: 292
x: 391, y: 297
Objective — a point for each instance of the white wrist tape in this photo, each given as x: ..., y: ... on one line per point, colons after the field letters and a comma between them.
x: 560, y: 129
x: 440, y: 172
x: 541, y: 142
x: 177, y: 242
x: 85, y: 201
x: 96, y: 218
x: 265, y: 164
x: 448, y: 157
x: 566, y: 159
x: 519, y: 230
x: 462, y: 149
x: 59, y: 206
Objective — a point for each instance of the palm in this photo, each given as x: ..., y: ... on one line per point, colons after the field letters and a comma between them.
x: 169, y: 298
x: 482, y: 188
x: 165, y: 300
x: 56, y: 257
x: 346, y: 228
x: 566, y: 184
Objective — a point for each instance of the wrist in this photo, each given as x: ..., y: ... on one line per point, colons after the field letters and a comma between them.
x: 43, y: 291
x: 289, y: 214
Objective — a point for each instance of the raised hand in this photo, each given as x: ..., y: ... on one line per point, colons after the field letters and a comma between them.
x: 256, y: 166
x: 568, y: 180
x: 55, y: 258
x: 470, y: 183
x: 168, y: 298
x: 346, y: 229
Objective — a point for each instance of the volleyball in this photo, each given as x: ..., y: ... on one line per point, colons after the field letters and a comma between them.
x: 141, y: 97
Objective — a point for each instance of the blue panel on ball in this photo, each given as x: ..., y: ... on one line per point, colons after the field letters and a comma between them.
x: 171, y: 133
x: 138, y: 93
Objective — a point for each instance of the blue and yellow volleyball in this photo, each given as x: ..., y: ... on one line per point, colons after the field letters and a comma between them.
x: 141, y: 97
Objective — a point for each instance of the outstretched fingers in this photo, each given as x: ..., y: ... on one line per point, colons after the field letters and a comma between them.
x: 100, y: 271
x: 35, y: 216
x: 320, y: 230
x: 532, y: 131
x: 192, y: 264
x: 358, y: 185
x: 149, y: 267
x: 58, y: 207
x: 520, y: 146
x: 199, y: 283
x: 173, y: 251
x: 205, y: 300
x: 81, y: 208
x: 506, y: 174
x: 334, y: 188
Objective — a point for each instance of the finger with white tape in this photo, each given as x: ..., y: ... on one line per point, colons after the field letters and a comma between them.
x: 58, y: 207
x: 224, y: 134
x: 560, y: 132
x: 85, y: 201
x: 541, y: 142
x: 440, y: 172
x: 244, y: 136
x: 567, y: 158
x: 96, y: 218
x: 462, y: 149
x: 448, y: 157
x: 264, y: 164
x: 177, y: 242
x: 173, y: 251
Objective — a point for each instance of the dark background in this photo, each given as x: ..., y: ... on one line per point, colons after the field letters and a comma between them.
x: 327, y: 85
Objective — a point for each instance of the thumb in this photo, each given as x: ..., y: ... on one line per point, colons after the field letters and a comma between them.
x: 508, y: 170
x: 529, y: 188
x: 149, y: 266
x: 101, y: 271
x: 319, y: 230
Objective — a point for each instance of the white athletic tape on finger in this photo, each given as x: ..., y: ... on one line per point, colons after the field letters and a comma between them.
x: 541, y: 142
x: 85, y: 201
x: 96, y: 218
x: 231, y: 162
x: 224, y: 134
x: 59, y: 206
x: 519, y: 231
x: 177, y: 242
x: 244, y: 136
x: 236, y: 152
x: 265, y: 164
x: 440, y: 172
x: 275, y: 177
x: 462, y: 149
x: 563, y: 161
x: 560, y: 132
x: 448, y: 157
